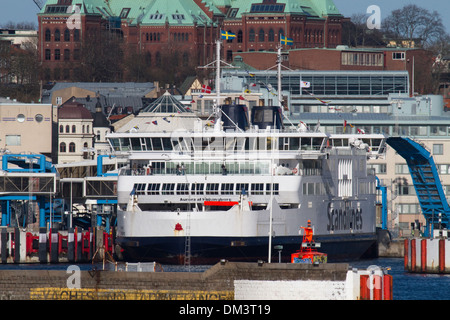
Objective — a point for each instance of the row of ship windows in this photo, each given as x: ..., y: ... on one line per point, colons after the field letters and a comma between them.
x: 208, y: 144
x: 205, y: 188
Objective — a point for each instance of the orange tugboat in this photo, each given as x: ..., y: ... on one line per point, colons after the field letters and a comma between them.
x: 308, y: 252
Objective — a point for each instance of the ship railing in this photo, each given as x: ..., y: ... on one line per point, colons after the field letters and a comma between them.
x: 170, y: 171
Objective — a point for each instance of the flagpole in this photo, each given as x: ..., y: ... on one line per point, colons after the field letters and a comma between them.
x: 279, y: 76
x: 218, y: 111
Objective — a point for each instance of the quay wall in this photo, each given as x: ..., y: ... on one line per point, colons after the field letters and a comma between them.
x: 226, y: 281
x: 423, y: 255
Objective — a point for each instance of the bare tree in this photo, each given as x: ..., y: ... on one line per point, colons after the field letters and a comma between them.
x: 19, y: 25
x: 412, y: 23
x: 355, y: 33
x: 101, y: 57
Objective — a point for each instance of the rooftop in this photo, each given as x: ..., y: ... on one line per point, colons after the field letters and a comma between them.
x: 187, y: 12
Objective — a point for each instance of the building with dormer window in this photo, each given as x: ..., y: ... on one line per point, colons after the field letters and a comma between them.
x: 187, y: 27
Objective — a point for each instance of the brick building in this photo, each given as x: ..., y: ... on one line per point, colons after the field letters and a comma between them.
x: 418, y: 62
x: 188, y: 28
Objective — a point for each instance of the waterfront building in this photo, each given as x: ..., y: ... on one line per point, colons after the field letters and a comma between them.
x: 21, y: 123
x: 75, y: 133
x: 187, y: 29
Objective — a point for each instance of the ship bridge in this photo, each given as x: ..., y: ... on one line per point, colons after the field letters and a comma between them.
x: 426, y: 181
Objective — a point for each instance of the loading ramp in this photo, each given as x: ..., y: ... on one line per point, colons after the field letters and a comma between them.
x: 427, y: 184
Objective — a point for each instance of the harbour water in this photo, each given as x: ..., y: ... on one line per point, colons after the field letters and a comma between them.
x: 411, y: 286
x: 406, y: 286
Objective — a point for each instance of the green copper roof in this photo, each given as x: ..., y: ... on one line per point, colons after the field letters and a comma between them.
x: 312, y: 8
x: 174, y: 12
x: 187, y: 12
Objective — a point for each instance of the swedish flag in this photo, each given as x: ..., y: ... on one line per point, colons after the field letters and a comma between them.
x: 227, y: 35
x: 286, y: 40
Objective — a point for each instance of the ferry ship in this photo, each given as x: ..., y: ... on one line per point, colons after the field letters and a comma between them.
x: 240, y: 186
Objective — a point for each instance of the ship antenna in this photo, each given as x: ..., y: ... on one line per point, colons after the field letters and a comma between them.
x: 217, y: 64
x: 217, y: 110
x: 280, y: 97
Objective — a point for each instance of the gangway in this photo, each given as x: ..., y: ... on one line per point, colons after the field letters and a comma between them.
x: 427, y: 184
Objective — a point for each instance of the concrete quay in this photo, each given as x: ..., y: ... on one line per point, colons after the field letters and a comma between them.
x: 223, y: 281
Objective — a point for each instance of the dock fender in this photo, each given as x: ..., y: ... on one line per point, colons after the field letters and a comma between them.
x: 118, y: 252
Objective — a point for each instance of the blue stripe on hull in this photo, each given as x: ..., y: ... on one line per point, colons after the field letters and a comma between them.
x: 210, y: 250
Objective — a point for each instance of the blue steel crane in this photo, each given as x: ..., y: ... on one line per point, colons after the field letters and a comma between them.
x: 425, y: 177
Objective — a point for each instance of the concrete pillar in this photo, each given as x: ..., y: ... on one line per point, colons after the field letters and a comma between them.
x: 16, y: 245
x: 54, y: 246
x: 42, y: 253
x: 71, y: 245
x: 4, y: 245
x: 79, y: 233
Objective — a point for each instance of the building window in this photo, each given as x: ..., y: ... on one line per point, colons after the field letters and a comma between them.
x: 67, y: 129
x: 66, y: 74
x: 57, y: 54
x: 13, y: 140
x: 76, y: 54
x: 74, y: 129
x: 380, y: 168
x: 76, y: 35
x: 85, y: 151
x: 62, y: 147
x: 72, y: 147
x: 438, y: 149
x: 251, y: 36
x: 67, y: 35
x: 239, y: 36
x: 271, y: 35
x: 398, y: 56
x: 66, y: 54
x: 400, y: 169
x: 57, y: 35
x: 261, y: 35
x: 57, y: 73
x: 229, y: 55
x: 124, y: 13
x: 48, y: 54
x: 48, y: 35
x: 61, y: 129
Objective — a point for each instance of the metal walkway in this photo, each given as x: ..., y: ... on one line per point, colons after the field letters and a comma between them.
x: 427, y: 184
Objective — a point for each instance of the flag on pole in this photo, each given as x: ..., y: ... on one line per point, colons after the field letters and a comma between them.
x: 305, y: 84
x: 206, y: 89
x: 250, y: 74
x: 286, y: 40
x: 227, y: 35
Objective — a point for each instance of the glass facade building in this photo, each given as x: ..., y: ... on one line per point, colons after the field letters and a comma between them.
x: 329, y: 83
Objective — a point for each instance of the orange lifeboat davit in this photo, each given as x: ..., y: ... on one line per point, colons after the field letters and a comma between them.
x: 308, y: 253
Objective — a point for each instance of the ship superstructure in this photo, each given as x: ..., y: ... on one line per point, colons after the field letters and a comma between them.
x: 239, y: 183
